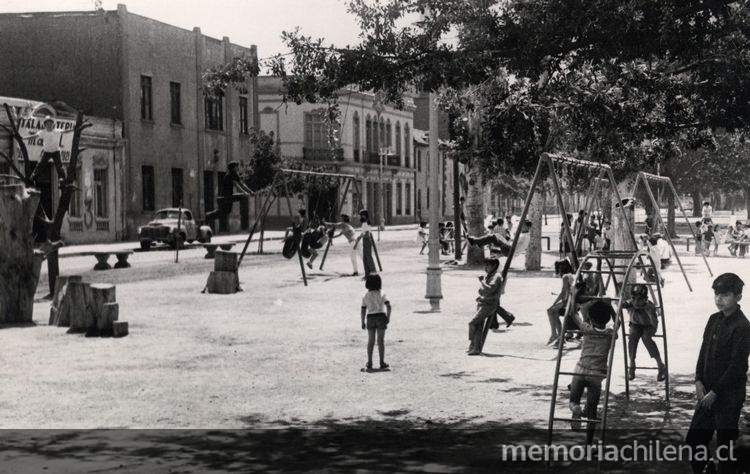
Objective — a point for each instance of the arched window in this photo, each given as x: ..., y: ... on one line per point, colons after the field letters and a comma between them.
x: 382, y: 141
x: 407, y: 145
x: 398, y: 141
x: 355, y: 136
x: 368, y: 134
x: 388, y: 134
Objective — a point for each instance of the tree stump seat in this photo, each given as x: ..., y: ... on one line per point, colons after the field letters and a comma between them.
x: 122, y: 258
x: 547, y: 238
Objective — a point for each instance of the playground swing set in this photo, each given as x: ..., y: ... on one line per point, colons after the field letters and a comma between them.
x: 280, y: 187
x: 620, y: 266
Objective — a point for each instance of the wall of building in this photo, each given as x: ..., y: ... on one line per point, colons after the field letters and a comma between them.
x: 286, y: 121
x: 72, y: 57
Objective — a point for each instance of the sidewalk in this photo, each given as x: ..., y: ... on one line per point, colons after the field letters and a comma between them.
x: 89, y: 249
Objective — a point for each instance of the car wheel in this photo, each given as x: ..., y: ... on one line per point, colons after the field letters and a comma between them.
x: 145, y: 244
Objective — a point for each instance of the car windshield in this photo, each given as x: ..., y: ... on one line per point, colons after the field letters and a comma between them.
x: 166, y: 215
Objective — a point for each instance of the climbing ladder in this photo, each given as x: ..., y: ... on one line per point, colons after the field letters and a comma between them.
x: 621, y: 277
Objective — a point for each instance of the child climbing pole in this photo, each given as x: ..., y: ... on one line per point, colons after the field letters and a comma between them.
x: 227, y: 196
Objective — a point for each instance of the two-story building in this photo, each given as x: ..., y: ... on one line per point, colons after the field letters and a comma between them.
x: 146, y: 75
x: 374, y: 144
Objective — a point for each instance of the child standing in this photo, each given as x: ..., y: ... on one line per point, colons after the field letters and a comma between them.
x: 564, y: 270
x: 376, y: 314
x: 720, y: 374
x: 487, y: 304
x: 708, y: 239
x: 643, y: 325
x: 592, y: 365
x: 698, y: 237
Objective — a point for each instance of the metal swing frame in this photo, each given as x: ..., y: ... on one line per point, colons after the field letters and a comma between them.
x: 272, y: 192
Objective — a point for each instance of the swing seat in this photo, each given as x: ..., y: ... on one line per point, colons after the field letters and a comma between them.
x: 290, y: 246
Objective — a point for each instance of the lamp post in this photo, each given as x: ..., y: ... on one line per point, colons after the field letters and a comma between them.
x: 379, y: 107
x: 434, y: 292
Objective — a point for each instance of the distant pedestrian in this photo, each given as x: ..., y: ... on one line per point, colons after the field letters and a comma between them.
x: 376, y: 314
x: 707, y: 212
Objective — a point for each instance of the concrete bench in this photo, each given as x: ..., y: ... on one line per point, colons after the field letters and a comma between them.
x: 211, y: 249
x: 102, y: 259
x: 547, y: 238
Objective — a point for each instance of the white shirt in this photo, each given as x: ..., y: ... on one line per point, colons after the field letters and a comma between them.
x: 707, y: 212
x: 50, y: 140
x: 664, y: 251
x: 375, y: 301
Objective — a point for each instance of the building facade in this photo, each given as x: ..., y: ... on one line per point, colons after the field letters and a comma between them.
x: 375, y: 145
x: 95, y: 212
x: 146, y: 75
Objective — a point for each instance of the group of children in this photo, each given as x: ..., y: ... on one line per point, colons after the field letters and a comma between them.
x: 590, y: 233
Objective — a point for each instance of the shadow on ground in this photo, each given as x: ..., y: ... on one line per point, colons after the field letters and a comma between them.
x: 393, y: 443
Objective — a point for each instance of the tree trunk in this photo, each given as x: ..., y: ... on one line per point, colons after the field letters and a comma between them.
x: 747, y: 202
x: 475, y: 215
x: 458, y: 228
x: 697, y: 205
x: 534, y: 251
x: 671, y: 214
x: 19, y: 264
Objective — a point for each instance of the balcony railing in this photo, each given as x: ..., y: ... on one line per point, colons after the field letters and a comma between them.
x: 323, y: 154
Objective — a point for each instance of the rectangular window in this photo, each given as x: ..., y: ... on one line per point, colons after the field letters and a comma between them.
x: 214, y: 113
x: 146, y: 99
x: 100, y: 189
x: 175, y: 102
x: 408, y: 199
x: 398, y: 199
x: 419, y: 160
x: 244, y: 126
x: 176, y: 187
x: 419, y: 201
x: 147, y: 180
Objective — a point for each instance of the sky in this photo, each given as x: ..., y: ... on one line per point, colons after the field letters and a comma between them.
x: 245, y: 22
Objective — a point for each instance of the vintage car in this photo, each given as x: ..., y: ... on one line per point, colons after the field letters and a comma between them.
x: 164, y: 228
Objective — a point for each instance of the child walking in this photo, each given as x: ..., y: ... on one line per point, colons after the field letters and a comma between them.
x: 591, y: 369
x: 721, y: 375
x: 643, y: 325
x: 376, y: 314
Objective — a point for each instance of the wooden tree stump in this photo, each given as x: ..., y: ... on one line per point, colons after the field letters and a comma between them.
x: 78, y: 296
x: 59, y: 311
x: 223, y: 283
x: 119, y: 329
x: 19, y: 264
x: 105, y: 320
x: 225, y: 261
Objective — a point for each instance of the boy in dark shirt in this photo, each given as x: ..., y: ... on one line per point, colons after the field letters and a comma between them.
x: 720, y: 375
x: 227, y: 196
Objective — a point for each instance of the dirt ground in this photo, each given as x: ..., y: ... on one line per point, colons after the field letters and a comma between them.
x: 279, y: 364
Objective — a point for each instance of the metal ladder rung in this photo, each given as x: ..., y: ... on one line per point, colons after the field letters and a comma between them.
x: 603, y: 272
x: 582, y: 420
x: 582, y: 375
x: 650, y: 283
x: 578, y: 331
x: 646, y: 368
x: 655, y: 335
x: 600, y: 298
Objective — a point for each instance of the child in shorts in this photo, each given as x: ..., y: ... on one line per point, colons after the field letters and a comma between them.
x: 591, y: 369
x: 376, y: 314
x: 644, y: 322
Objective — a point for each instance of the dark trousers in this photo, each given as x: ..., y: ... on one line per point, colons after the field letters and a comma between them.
x: 56, y: 159
x: 593, y: 386
x: 505, y: 314
x: 476, y: 325
x: 639, y: 332
x: 723, y: 418
x: 224, y: 206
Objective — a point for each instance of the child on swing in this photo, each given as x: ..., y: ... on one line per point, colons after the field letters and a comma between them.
x: 591, y: 368
x: 643, y: 325
x: 376, y: 314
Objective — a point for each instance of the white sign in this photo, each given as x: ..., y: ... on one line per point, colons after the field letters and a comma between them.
x: 34, y: 145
